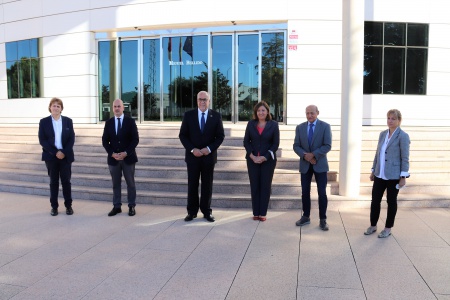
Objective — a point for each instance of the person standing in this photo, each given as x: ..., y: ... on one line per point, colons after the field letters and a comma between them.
x: 312, y: 143
x: 261, y: 141
x: 120, y: 139
x: 201, y: 134
x: 57, y: 137
x: 389, y: 172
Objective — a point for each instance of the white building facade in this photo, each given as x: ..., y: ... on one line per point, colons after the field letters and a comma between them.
x: 156, y: 55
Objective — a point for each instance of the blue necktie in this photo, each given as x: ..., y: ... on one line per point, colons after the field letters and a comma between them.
x: 310, y: 134
x: 202, y: 122
x: 119, y: 125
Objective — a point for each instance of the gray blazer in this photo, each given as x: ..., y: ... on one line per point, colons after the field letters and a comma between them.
x: 397, y: 154
x: 320, y: 146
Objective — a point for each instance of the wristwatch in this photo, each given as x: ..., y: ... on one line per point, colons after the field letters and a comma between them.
x: 404, y: 176
x: 192, y: 151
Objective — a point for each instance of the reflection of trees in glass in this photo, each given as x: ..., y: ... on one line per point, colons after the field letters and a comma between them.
x: 150, y: 101
x: 272, y: 81
x: 23, y: 78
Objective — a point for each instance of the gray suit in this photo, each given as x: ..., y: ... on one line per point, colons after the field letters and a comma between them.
x: 320, y: 146
x: 397, y: 154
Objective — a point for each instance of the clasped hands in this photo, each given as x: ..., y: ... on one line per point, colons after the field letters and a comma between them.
x: 257, y: 159
x: 119, y: 156
x: 200, y: 152
x: 60, y: 155
x: 309, y: 157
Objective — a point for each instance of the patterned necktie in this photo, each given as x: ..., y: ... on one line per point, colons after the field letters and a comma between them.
x: 310, y: 134
x: 202, y: 122
x: 119, y: 125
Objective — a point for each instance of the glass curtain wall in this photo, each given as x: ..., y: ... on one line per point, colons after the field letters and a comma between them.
x: 223, y: 75
x: 106, y: 73
x: 151, y: 79
x: 129, y: 77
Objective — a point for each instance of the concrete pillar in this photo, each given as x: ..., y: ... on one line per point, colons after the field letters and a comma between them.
x: 352, y: 97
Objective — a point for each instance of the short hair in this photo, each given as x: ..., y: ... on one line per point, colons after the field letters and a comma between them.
x: 58, y: 101
x: 207, y: 94
x: 258, y: 105
x: 396, y: 113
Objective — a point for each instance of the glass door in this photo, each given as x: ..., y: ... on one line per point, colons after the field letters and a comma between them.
x: 129, y: 77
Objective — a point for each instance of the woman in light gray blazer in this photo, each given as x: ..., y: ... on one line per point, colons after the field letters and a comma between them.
x: 389, y: 171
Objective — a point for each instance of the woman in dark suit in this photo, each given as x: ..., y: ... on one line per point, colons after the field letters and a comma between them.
x: 389, y: 171
x: 261, y: 141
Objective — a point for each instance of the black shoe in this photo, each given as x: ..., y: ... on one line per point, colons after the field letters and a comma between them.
x: 323, y: 224
x: 115, y: 211
x: 209, y: 218
x: 69, y: 211
x: 54, y: 212
x: 303, y: 221
x: 190, y: 217
x: 131, y: 211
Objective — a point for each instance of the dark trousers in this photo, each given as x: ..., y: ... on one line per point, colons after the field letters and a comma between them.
x: 60, y: 168
x: 321, y: 181
x: 205, y: 172
x: 260, y: 176
x: 116, y: 176
x: 379, y: 186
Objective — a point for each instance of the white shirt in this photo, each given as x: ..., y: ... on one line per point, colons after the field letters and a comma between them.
x: 57, y: 127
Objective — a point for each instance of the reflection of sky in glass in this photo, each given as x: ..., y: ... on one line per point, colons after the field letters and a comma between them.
x: 248, y: 60
x: 151, y: 64
x: 222, y: 55
x: 129, y: 66
x: 103, y: 52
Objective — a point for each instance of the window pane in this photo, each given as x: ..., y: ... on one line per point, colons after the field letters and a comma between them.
x: 418, y: 35
x: 34, y: 48
x: 129, y: 77
x: 222, y: 74
x: 12, y: 73
x: 416, y: 70
x: 106, y: 75
x: 394, y: 70
x: 373, y: 33
x: 11, y: 51
x: 24, y: 78
x: 394, y: 34
x: 272, y: 79
x: 372, y: 70
x: 151, y: 80
x: 34, y: 78
x: 23, y: 49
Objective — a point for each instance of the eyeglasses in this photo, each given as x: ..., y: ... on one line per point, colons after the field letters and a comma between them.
x: 202, y: 99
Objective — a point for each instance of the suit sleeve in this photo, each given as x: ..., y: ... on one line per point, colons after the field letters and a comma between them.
x: 297, y: 143
x: 68, y: 145
x: 375, y: 159
x: 184, y: 133
x: 326, y: 143
x: 404, y: 152
x: 134, y: 138
x: 275, y: 142
x: 219, y: 135
x: 248, y: 139
x: 106, y: 139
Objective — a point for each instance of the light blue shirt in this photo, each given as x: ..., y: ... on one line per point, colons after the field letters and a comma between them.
x: 117, y: 122
x: 57, y: 127
x: 200, y: 117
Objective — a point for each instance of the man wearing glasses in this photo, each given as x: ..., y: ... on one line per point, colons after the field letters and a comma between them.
x: 201, y: 134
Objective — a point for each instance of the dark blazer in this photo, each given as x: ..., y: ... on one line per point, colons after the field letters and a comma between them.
x: 127, y: 140
x: 396, y: 156
x: 191, y: 137
x: 320, y: 146
x: 47, y: 139
x: 261, y: 143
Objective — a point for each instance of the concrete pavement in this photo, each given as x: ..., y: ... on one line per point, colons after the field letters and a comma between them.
x: 156, y: 255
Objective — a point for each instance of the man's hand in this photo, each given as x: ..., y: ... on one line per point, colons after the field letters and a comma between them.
x: 60, y: 155
x: 309, y: 157
x: 204, y: 151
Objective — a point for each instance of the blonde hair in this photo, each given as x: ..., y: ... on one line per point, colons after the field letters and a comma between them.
x: 58, y: 101
x: 396, y: 113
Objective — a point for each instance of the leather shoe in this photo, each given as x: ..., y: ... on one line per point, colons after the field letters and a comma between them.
x: 323, y: 224
x: 131, y: 211
x: 54, y: 212
x: 190, y: 217
x: 115, y: 211
x: 209, y: 218
x: 69, y: 211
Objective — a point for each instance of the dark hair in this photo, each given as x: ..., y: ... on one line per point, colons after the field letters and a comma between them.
x: 57, y: 100
x: 258, y: 105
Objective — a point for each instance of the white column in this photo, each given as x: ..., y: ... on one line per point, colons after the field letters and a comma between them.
x: 352, y: 97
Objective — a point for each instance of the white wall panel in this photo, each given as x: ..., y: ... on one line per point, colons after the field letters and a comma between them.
x: 316, y: 57
x: 439, y: 60
x: 22, y: 30
x: 79, y: 64
x: 66, y: 23
x: 68, y: 86
x: 329, y: 107
x: 22, y: 10
x: 53, y: 7
x: 314, y: 81
x: 438, y: 84
x: 438, y: 34
x: 68, y: 44
x: 313, y: 32
x: 315, y: 10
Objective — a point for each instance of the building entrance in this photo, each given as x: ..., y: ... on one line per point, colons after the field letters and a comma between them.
x: 158, y: 78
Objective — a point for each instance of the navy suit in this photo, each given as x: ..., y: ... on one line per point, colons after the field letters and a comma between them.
x: 320, y: 146
x: 126, y: 140
x: 261, y: 175
x: 191, y: 137
x: 58, y: 168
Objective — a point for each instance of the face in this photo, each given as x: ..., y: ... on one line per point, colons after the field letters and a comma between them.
x: 262, y: 113
x: 118, y: 107
x: 203, y: 101
x: 392, y: 121
x: 55, y: 109
x: 311, y: 113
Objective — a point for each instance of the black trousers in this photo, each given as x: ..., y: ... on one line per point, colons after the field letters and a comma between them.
x: 379, y: 186
x: 321, y: 181
x: 56, y: 169
x: 260, y: 176
x: 128, y: 171
x: 205, y: 172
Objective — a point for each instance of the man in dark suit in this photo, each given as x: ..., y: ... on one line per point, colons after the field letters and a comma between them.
x: 312, y: 143
x: 201, y: 134
x: 57, y: 137
x: 120, y: 139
